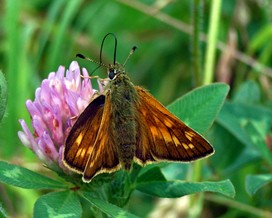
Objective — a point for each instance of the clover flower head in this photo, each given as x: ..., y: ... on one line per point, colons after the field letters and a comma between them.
x: 60, y: 98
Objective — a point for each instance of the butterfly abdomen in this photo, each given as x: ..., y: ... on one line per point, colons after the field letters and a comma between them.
x: 124, y: 96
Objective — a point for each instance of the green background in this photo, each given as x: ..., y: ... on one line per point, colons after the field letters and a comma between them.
x: 38, y: 36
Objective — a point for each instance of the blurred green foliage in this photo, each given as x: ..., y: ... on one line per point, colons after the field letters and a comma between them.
x: 38, y: 36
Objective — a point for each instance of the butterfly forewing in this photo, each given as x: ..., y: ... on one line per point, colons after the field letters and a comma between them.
x: 80, y: 141
x: 104, y: 155
x: 89, y: 148
x: 168, y: 138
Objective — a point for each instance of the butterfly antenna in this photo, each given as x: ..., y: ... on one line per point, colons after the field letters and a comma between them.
x: 91, y: 60
x: 86, y: 58
x: 115, y: 47
x: 130, y: 53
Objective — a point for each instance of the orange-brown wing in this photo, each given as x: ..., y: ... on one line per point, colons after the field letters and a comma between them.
x: 162, y: 136
x: 89, y: 147
x: 81, y: 139
x: 104, y: 155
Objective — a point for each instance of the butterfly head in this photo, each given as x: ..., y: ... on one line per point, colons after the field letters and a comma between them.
x: 115, y: 70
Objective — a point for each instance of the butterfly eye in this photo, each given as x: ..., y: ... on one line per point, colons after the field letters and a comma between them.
x: 112, y: 74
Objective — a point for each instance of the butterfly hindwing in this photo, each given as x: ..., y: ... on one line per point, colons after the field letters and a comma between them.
x: 163, y: 137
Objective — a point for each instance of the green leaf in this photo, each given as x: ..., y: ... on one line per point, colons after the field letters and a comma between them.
x: 176, y: 189
x: 244, y: 158
x: 248, y: 93
x: 234, y: 116
x: 3, y: 95
x: 199, y: 108
x: 58, y: 204
x: 21, y: 177
x: 257, y: 132
x: 230, y: 121
x: 108, y: 208
x: 151, y: 174
x: 255, y: 182
x: 224, y: 158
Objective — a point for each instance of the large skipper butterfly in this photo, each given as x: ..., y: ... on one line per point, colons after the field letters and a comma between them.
x: 125, y: 124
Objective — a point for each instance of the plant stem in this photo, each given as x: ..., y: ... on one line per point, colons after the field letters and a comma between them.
x: 238, y: 205
x: 196, y: 201
x: 212, y: 40
x: 197, y: 15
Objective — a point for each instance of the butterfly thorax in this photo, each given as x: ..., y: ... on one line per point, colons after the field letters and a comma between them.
x: 123, y: 100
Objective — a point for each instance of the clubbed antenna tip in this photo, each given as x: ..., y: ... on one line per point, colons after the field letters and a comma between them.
x: 131, y: 53
x: 133, y: 49
x: 80, y: 56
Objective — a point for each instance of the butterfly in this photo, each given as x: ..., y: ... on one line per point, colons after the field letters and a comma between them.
x: 126, y: 124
